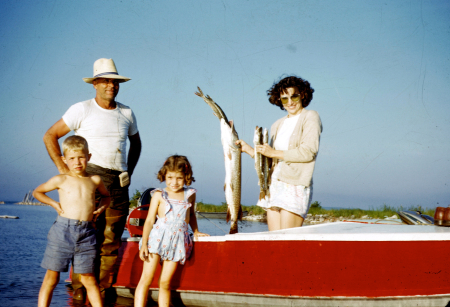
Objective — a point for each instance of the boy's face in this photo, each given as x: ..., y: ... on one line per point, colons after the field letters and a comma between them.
x: 76, y: 160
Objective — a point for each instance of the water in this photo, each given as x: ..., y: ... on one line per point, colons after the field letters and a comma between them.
x: 22, y: 246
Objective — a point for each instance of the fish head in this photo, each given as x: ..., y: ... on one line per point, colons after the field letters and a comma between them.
x: 257, y: 138
x: 265, y: 136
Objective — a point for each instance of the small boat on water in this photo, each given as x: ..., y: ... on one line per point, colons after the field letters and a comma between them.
x: 335, y: 264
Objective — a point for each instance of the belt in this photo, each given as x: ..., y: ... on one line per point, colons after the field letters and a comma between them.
x: 72, y: 222
x: 106, y: 170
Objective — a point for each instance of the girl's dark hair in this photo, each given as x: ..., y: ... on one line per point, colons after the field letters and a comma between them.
x: 305, y: 89
x: 177, y: 163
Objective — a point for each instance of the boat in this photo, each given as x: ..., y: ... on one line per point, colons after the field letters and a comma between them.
x: 28, y: 199
x: 415, y: 218
x: 336, y: 264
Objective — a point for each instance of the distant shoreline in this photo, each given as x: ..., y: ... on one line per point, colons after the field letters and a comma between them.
x: 30, y: 204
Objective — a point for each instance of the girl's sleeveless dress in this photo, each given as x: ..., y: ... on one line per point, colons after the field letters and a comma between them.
x: 169, y: 237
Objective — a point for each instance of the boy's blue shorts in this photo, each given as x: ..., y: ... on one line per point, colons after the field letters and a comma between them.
x: 70, y: 240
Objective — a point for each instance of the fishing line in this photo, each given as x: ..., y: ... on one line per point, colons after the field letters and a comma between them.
x: 211, y: 222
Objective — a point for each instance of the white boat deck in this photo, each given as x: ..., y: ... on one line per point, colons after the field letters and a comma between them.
x: 343, y: 231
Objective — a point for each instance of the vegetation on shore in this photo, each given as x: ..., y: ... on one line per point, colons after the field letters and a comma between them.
x: 253, y: 210
x: 316, y: 209
x: 134, y: 199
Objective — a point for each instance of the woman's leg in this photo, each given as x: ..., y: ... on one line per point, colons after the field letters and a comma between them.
x: 273, y: 219
x: 92, y: 289
x: 148, y: 272
x: 49, y: 283
x: 290, y: 220
x: 168, y: 269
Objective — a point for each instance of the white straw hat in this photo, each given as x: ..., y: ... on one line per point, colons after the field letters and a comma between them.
x: 105, y: 68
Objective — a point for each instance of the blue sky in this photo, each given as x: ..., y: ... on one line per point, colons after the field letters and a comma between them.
x: 380, y: 70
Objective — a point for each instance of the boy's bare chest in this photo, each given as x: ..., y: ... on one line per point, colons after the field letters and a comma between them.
x: 78, y: 186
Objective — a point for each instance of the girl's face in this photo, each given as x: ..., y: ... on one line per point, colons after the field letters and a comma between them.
x: 175, y: 181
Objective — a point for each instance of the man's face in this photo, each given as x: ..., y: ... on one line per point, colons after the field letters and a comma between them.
x: 107, y: 89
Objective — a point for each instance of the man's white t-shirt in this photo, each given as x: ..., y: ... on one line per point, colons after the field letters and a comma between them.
x: 106, y: 131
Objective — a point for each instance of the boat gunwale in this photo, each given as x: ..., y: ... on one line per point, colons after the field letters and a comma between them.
x: 343, y: 231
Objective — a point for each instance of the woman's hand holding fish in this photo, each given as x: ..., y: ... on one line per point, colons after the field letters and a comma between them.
x: 268, y: 151
x: 246, y: 148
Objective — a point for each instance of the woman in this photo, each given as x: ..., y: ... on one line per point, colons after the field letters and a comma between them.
x: 295, y: 144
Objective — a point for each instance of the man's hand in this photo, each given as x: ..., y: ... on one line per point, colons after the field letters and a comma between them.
x: 98, y: 211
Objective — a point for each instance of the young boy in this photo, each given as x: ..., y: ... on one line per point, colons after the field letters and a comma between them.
x: 72, y: 236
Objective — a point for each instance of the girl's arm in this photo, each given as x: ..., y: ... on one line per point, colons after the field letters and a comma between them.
x: 148, y: 225
x: 106, y: 199
x: 193, y: 219
x: 53, y: 184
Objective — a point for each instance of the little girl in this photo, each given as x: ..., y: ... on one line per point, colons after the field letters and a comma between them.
x: 169, y: 240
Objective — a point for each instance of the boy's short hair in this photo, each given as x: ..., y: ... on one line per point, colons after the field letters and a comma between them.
x: 75, y: 142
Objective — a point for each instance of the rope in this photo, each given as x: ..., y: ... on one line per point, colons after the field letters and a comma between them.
x: 211, y: 222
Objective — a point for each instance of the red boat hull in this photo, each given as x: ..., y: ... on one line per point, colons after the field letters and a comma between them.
x: 327, y: 269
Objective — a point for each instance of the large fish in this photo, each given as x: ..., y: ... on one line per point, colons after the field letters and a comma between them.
x: 258, y: 140
x: 232, y: 155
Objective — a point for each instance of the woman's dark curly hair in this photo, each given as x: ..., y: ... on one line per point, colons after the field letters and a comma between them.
x: 305, y: 89
x: 177, y: 163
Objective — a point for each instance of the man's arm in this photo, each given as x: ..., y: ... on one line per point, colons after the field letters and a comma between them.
x: 58, y: 130
x: 134, y: 152
x: 106, y: 199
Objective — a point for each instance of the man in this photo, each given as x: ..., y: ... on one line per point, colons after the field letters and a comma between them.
x: 105, y: 124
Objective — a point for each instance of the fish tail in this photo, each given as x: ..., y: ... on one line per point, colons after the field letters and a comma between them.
x: 233, y: 228
x: 262, y: 195
x: 240, y: 214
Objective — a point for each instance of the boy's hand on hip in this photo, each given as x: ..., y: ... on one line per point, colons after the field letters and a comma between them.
x: 59, y: 209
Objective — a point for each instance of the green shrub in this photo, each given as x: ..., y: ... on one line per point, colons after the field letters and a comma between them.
x: 202, y: 207
x: 134, y: 199
x: 316, y: 204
